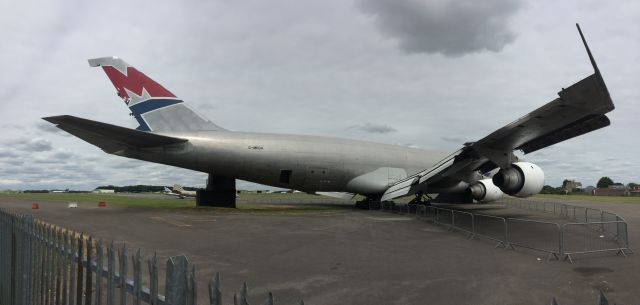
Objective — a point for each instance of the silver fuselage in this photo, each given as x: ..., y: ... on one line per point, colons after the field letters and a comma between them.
x: 307, y: 163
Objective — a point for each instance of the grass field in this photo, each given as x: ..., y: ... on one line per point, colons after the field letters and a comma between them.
x: 166, y: 202
x: 590, y: 198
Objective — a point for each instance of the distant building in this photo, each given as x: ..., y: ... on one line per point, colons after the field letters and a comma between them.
x: 570, y: 185
x: 611, y: 191
x: 589, y: 189
x: 103, y: 191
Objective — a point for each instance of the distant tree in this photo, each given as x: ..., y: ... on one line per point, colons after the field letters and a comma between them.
x: 548, y: 189
x: 604, y: 182
x: 564, y: 183
x: 632, y: 185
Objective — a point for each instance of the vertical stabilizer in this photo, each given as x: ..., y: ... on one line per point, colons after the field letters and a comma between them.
x: 154, y: 107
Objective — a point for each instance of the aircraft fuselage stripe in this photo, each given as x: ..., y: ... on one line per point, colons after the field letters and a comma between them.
x: 151, y: 105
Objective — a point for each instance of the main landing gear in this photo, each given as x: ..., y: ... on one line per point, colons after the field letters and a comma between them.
x: 220, y: 192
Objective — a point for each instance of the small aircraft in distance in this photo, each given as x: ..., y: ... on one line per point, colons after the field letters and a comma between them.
x: 179, y: 191
x: 171, y: 133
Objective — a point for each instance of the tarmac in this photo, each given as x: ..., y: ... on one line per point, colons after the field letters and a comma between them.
x: 356, y: 256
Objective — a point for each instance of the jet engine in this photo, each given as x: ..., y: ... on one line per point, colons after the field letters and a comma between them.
x: 484, y: 191
x: 522, y: 179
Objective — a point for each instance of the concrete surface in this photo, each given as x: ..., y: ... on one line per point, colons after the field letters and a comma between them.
x: 357, y: 257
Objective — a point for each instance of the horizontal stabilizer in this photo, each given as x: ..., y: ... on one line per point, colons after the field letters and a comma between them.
x: 109, y: 137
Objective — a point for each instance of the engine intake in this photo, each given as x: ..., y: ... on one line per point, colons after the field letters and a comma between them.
x: 522, y: 179
x: 484, y: 191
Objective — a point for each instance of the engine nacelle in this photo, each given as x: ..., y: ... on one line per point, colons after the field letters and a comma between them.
x: 522, y: 179
x: 484, y: 191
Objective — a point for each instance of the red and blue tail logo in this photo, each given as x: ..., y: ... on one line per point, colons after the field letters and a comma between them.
x: 141, y: 93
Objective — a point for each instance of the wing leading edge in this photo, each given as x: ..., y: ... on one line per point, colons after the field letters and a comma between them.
x: 110, y: 138
x: 579, y: 109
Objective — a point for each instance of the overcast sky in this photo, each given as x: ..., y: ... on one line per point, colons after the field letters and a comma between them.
x: 431, y: 74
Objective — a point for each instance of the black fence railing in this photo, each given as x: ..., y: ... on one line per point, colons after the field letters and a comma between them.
x: 44, y: 264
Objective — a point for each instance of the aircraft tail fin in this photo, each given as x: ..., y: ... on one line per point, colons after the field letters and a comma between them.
x: 178, y: 188
x: 153, y: 106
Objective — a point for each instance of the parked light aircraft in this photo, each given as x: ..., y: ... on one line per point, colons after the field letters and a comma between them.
x: 178, y: 191
x: 171, y: 133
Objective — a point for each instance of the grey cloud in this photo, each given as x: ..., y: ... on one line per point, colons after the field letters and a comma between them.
x: 8, y: 154
x: 452, y: 28
x: 372, y: 128
x: 54, y: 158
x: 62, y: 155
x: 37, y: 145
x: 458, y: 140
x: 29, y: 145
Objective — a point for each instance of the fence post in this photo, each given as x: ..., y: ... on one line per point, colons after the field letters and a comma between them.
x: 111, y: 276
x: 561, y: 246
x: 88, y: 287
x: 153, y: 280
x: 137, y: 277
x: 192, y: 285
x: 215, y: 297
x: 244, y: 292
x: 176, y: 280
x: 65, y: 265
x: 13, y: 260
x: 99, y: 269
x: 58, y: 259
x: 506, y: 233
x: 72, y: 267
x: 47, y: 264
x: 122, y: 251
x: 473, y: 224
x: 79, y: 268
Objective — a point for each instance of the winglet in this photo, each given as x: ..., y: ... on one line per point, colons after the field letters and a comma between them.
x: 593, y: 63
x: 586, y: 46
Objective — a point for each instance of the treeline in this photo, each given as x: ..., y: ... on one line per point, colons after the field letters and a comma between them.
x: 139, y: 188
x: 548, y: 189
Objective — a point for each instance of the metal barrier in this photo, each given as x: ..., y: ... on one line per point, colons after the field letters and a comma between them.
x: 491, y: 227
x: 43, y: 264
x: 592, y: 230
x: 463, y: 221
x: 444, y: 217
x: 593, y: 237
x: 548, y: 237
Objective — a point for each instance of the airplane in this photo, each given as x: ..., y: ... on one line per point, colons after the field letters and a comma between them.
x: 177, y: 193
x: 169, y: 192
x: 178, y: 189
x: 171, y: 133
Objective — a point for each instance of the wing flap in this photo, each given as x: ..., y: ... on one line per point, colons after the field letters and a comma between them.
x: 110, y: 137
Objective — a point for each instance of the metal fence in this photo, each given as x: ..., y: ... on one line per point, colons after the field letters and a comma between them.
x: 44, y: 264
x: 587, y: 230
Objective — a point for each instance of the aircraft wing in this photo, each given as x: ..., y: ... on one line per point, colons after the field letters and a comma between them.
x: 579, y: 109
x: 110, y: 138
